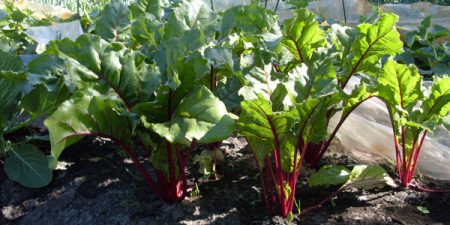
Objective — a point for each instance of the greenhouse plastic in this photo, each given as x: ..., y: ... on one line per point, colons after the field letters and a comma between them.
x: 368, y: 129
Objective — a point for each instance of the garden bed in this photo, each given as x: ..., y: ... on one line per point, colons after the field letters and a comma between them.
x: 96, y: 188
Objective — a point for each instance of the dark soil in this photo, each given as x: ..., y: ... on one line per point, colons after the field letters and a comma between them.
x: 99, y: 186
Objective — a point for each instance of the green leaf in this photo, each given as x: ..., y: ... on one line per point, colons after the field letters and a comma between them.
x: 360, y: 93
x: 124, y: 70
x: 318, y: 81
x: 315, y: 93
x: 153, y: 7
x: 400, y: 85
x: 297, y: 3
x: 50, y: 70
x: 250, y: 20
x: 259, y: 82
x: 227, y: 92
x: 10, y: 62
x: 28, y: 166
x: 312, y: 127
x: 12, y: 83
x: 114, y: 21
x: 148, y: 31
x: 369, y: 177
x: 302, y: 35
x: 436, y: 106
x: 266, y: 130
x: 189, y: 15
x: 220, y: 58
x: 39, y: 101
x: 88, y: 115
x: 372, y: 42
x: 329, y: 175
x: 200, y: 116
x: 424, y: 210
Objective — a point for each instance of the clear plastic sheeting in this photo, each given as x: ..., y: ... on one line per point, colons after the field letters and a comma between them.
x: 368, y: 129
x: 410, y: 14
x: 41, y: 11
x: 44, y: 34
x: 224, y: 5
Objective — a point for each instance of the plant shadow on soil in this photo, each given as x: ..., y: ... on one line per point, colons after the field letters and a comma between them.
x: 99, y: 186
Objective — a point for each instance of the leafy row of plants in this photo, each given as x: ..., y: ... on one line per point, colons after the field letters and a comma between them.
x: 428, y: 49
x: 159, y: 78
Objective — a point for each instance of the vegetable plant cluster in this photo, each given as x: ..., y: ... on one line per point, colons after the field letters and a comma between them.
x: 160, y: 79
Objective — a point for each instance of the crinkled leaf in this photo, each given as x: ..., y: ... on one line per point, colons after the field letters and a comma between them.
x: 369, y: 177
x: 200, y: 116
x: 50, y: 70
x: 313, y: 120
x: 12, y: 83
x: 123, y: 69
x: 28, y: 166
x: 191, y: 14
x: 315, y: 93
x: 400, y: 85
x: 329, y: 175
x: 317, y: 81
x: 220, y: 58
x: 227, y: 92
x: 266, y: 130
x: 372, y: 42
x: 114, y: 21
x: 251, y: 20
x: 153, y: 7
x: 302, y: 35
x: 39, y: 101
x: 148, y: 31
x: 87, y: 116
x: 10, y: 62
x: 259, y: 82
x: 361, y: 93
x: 436, y: 106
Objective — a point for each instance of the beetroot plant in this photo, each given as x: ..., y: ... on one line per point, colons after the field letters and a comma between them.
x: 290, y: 100
x: 413, y: 110
x: 355, y: 52
x: 27, y: 93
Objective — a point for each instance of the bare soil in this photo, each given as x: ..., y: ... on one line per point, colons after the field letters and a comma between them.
x: 100, y: 186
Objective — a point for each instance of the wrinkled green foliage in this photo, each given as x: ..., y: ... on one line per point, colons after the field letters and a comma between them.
x: 412, y: 112
x: 424, y: 48
x: 329, y: 175
x: 23, y: 102
x: 361, y: 177
x: 291, y: 94
x: 303, y: 35
x: 148, y: 88
x: 114, y: 21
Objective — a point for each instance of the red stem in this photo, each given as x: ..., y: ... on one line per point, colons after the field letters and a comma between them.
x: 416, y: 156
x: 404, y: 154
x: 171, y: 163
x: 418, y: 187
x: 414, y: 151
x: 271, y: 182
